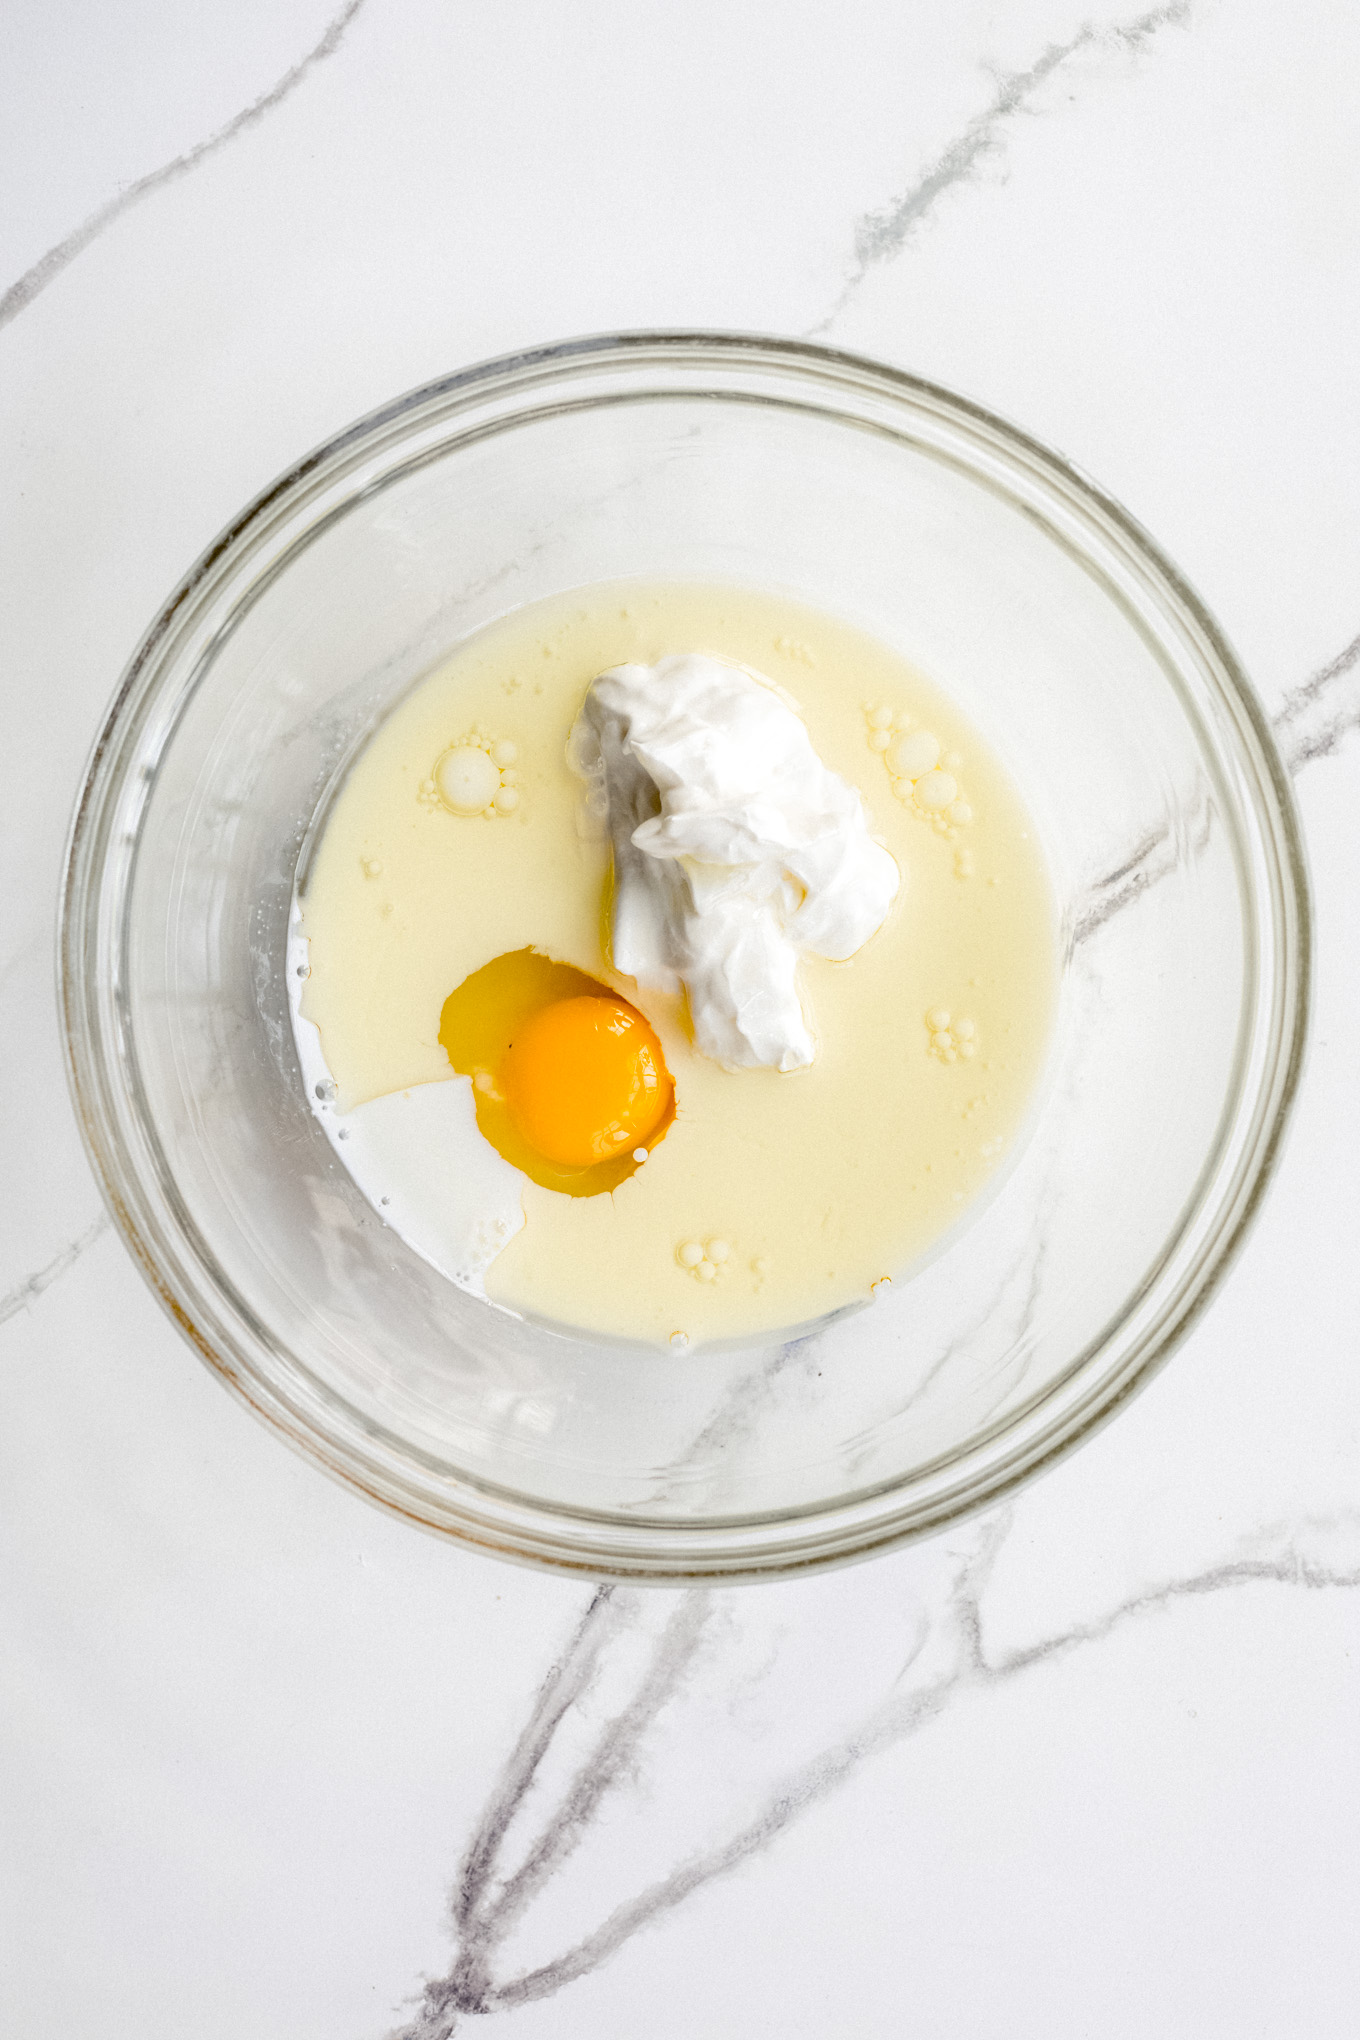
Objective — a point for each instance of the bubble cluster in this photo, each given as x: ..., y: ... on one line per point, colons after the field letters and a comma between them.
x: 924, y: 775
x: 489, y: 1237
x: 794, y: 648
x: 705, y: 1260
x: 475, y: 776
x: 951, y: 1040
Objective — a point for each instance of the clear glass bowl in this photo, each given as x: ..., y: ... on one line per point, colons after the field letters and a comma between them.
x: 1027, y: 595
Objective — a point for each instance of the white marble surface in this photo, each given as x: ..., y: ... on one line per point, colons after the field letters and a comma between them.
x: 1088, y: 1766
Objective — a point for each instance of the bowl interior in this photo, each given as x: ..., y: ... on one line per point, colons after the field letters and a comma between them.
x: 1023, y: 595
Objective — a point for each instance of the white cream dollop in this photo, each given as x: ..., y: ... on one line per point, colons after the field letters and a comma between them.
x: 735, y: 849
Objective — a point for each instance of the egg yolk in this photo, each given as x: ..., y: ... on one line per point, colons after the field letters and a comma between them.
x: 585, y: 1081
x: 569, y: 1080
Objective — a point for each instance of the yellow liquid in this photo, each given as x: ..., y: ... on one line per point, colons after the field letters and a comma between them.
x: 820, y: 1182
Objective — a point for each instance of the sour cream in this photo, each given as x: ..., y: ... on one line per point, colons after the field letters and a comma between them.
x: 736, y: 850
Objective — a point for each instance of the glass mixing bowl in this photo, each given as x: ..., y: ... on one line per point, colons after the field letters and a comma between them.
x: 999, y: 571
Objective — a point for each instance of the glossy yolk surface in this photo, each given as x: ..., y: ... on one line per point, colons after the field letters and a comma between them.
x: 585, y: 1081
x: 569, y: 1079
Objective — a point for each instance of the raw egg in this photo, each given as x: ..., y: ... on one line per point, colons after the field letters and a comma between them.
x: 569, y: 1079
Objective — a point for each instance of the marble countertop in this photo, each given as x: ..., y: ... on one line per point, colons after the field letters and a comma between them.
x: 276, y: 1766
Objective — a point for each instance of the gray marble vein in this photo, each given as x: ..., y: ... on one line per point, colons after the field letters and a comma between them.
x: 32, y: 1287
x: 738, y: 1414
x: 49, y: 266
x: 1279, y: 1556
x: 882, y: 234
x: 1317, y: 716
x: 567, y: 1680
x: 483, y: 1911
x: 1155, y: 856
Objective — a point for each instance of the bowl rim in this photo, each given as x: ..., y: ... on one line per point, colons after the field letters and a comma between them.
x: 828, y: 1534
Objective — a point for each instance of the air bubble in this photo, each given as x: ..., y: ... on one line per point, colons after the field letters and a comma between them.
x: 953, y: 1039
x: 466, y: 779
x: 935, y: 790
x: 914, y: 755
